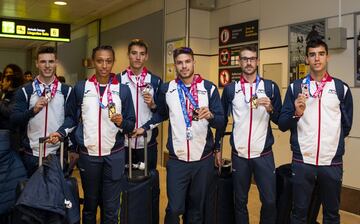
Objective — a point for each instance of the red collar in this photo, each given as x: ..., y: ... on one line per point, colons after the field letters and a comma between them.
x: 113, y: 82
x: 197, y: 78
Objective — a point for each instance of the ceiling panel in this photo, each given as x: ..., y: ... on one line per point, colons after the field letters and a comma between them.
x: 77, y: 13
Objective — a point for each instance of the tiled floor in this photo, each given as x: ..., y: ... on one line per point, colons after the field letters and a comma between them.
x: 253, y: 206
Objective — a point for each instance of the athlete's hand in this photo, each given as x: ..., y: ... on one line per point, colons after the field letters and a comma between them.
x: 117, y: 119
x: 218, y: 159
x: 300, y: 105
x: 266, y: 102
x: 54, y: 137
x: 41, y: 103
x: 204, y: 112
x: 138, y: 131
x: 149, y: 100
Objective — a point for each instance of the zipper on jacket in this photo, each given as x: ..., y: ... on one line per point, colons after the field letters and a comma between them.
x: 250, y: 126
x: 319, y: 132
x: 99, y: 130
x: 187, y: 141
x: 137, y: 113
x: 46, y: 124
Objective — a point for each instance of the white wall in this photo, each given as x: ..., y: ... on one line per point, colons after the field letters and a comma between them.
x: 13, y: 56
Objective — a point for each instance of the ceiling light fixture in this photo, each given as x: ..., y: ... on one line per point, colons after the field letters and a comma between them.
x: 60, y: 3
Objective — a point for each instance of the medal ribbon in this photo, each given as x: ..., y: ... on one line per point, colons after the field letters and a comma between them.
x: 140, y: 81
x: 242, y: 82
x: 191, y: 95
x: 109, y: 95
x: 319, y: 86
x: 44, y: 93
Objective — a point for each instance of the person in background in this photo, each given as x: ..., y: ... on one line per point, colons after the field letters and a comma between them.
x: 10, y: 69
x: 61, y: 79
x: 28, y: 76
x: 318, y: 110
x: 12, y: 169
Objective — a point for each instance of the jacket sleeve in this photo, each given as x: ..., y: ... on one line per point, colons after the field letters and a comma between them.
x: 21, y: 113
x: 286, y: 119
x: 276, y: 103
x: 227, y: 110
x: 216, y: 109
x: 162, y: 112
x: 156, y: 95
x: 71, y: 120
x: 6, y: 107
x: 347, y: 112
x: 127, y: 111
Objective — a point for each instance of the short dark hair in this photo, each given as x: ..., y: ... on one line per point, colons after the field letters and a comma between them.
x: 250, y: 47
x: 46, y: 50
x: 28, y: 73
x: 316, y: 42
x: 138, y: 42
x: 61, y: 79
x: 17, y: 78
x: 105, y: 48
x: 183, y: 50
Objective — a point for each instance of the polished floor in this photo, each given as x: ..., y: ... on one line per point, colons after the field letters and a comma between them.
x: 253, y: 206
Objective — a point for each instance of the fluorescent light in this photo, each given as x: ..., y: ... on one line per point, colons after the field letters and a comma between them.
x: 60, y: 3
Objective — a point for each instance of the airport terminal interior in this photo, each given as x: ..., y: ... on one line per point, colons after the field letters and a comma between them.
x: 215, y: 30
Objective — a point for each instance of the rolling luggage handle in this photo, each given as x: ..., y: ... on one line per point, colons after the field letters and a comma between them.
x: 227, y: 166
x: 42, y: 141
x: 146, y: 171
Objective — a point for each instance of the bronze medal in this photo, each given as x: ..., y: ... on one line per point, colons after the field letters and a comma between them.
x: 195, y: 115
x: 254, y: 103
x: 111, y: 109
x: 305, y: 90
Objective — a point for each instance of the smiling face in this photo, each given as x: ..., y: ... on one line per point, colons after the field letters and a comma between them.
x: 317, y: 59
x: 184, y: 64
x: 46, y: 63
x: 104, y: 62
x: 249, y: 62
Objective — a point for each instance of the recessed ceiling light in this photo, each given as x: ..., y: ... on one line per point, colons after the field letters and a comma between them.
x: 60, y: 3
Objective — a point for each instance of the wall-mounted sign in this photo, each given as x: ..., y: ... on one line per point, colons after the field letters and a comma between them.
x: 231, y: 39
x: 299, y: 35
x: 34, y: 30
x: 229, y: 63
x: 228, y: 75
x: 171, y: 45
x: 239, y: 33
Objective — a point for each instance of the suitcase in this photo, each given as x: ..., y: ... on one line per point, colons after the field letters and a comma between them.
x: 25, y: 214
x: 140, y: 195
x: 284, y: 197
x: 219, y: 207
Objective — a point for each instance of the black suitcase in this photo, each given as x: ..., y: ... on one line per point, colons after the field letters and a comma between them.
x: 25, y: 214
x: 283, y: 194
x: 284, y: 197
x: 140, y: 195
x: 219, y: 207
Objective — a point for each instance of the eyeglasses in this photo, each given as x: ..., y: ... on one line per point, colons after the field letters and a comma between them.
x: 246, y: 59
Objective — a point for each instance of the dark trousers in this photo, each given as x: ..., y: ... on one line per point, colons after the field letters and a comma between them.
x: 263, y: 169
x: 187, y: 184
x: 328, y: 178
x: 138, y: 156
x: 101, y: 182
